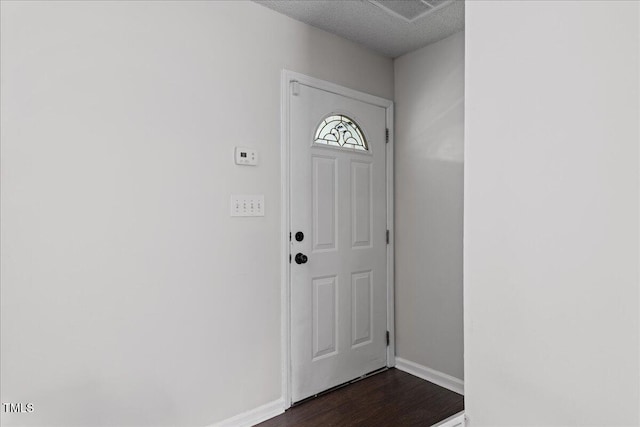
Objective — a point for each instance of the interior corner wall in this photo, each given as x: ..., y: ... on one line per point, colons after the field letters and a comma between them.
x: 429, y: 139
x: 129, y: 294
x: 552, y: 213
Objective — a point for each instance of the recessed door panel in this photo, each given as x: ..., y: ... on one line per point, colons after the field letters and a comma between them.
x: 361, y: 308
x: 324, y: 316
x: 361, y: 203
x: 324, y: 203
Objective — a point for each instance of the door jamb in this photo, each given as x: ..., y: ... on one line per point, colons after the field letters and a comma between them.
x: 287, y: 78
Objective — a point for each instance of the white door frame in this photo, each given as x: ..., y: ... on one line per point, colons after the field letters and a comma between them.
x: 287, y: 78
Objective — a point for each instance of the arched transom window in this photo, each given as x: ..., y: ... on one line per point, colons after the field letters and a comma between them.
x: 340, y: 131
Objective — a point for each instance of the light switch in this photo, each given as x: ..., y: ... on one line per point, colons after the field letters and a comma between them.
x: 246, y: 156
x: 247, y: 205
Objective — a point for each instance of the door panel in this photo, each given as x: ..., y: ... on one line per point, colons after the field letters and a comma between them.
x: 361, y: 203
x: 338, y: 200
x: 325, y: 322
x: 361, y: 316
x: 324, y: 202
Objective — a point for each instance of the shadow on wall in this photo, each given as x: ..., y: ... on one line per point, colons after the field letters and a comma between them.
x: 442, y: 135
x: 429, y: 93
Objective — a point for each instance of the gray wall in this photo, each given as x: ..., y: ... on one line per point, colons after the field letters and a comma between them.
x: 552, y: 213
x: 429, y: 89
x: 129, y: 295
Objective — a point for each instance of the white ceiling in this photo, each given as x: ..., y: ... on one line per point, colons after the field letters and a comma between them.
x: 373, y: 26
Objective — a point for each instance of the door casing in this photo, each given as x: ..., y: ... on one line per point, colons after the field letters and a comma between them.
x: 289, y: 78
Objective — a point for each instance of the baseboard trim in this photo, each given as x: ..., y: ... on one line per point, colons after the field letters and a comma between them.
x: 254, y: 416
x: 456, y: 420
x: 431, y: 375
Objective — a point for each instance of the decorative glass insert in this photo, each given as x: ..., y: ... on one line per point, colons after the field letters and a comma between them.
x: 340, y: 131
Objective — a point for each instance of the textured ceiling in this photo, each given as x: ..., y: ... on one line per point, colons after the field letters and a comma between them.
x: 372, y: 26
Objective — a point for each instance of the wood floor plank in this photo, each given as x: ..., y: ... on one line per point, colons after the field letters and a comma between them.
x: 390, y: 398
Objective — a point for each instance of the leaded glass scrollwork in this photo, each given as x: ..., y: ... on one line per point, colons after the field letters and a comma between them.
x: 340, y: 131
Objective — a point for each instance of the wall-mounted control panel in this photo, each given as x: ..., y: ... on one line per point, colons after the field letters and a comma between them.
x: 247, y: 205
x: 246, y: 156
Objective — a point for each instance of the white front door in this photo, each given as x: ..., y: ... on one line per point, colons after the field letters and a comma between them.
x: 338, y: 240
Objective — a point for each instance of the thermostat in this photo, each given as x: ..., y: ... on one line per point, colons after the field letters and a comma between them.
x: 246, y: 156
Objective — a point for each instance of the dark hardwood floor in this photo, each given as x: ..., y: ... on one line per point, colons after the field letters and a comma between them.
x: 392, y: 399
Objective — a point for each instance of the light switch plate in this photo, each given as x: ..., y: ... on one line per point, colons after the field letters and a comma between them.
x: 247, y: 205
x: 246, y: 156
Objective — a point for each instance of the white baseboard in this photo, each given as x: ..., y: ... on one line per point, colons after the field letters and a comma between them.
x: 456, y: 420
x: 431, y: 375
x: 254, y: 416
